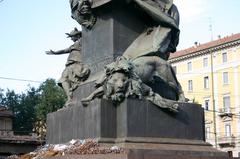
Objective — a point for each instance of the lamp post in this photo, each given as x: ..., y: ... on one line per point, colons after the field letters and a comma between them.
x: 213, y: 101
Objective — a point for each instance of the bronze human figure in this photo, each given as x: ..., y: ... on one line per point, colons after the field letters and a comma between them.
x: 76, y: 71
x: 82, y: 13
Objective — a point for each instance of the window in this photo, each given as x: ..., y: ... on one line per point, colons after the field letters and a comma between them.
x: 208, y: 133
x: 205, y: 62
x: 228, y: 130
x: 206, y: 82
x: 226, y: 103
x: 175, y: 69
x: 189, y: 66
x: 2, y: 124
x: 224, y: 57
x: 225, y: 77
x: 206, y: 104
x: 8, y: 124
x: 190, y: 85
x: 230, y: 153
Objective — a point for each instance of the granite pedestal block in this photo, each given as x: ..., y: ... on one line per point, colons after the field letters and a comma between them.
x: 131, y: 119
x: 144, y: 130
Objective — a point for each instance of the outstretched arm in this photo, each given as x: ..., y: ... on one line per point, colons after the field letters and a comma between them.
x: 59, y: 52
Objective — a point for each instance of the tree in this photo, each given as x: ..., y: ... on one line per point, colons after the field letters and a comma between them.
x: 12, y: 101
x: 23, y: 107
x: 30, y: 109
x: 1, y: 97
x: 52, y: 98
x: 26, y: 116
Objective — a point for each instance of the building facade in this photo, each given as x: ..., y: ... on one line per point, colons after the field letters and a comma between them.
x: 11, y: 144
x: 210, y: 75
x: 5, y: 122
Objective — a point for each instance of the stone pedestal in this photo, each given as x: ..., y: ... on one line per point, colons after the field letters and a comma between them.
x: 132, y: 118
x: 143, y: 129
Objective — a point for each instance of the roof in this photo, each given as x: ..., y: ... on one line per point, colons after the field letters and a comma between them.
x: 205, y: 46
x: 5, y: 113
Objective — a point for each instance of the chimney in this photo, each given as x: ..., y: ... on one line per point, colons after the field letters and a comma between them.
x: 195, y: 44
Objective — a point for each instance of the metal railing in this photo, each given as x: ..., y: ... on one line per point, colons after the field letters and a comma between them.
x: 225, y: 112
x: 227, y: 140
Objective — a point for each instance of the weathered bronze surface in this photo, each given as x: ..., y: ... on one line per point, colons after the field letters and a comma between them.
x: 124, y: 78
x: 148, y: 53
x: 126, y: 44
x: 75, y: 72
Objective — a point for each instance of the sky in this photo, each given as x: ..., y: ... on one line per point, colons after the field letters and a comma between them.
x: 29, y: 28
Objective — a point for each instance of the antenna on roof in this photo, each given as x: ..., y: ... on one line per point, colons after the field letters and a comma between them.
x: 211, y: 28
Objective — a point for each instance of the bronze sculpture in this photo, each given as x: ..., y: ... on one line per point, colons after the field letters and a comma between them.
x: 123, y: 79
x: 148, y: 54
x: 75, y: 72
x: 126, y: 44
x: 162, y: 35
x: 82, y: 13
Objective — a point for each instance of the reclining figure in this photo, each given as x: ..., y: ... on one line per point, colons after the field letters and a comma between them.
x: 124, y: 78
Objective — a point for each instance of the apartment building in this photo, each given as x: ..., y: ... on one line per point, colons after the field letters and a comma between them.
x: 210, y: 75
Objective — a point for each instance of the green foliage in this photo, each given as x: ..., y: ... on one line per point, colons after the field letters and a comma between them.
x: 33, y: 106
x: 23, y: 107
x: 26, y: 111
x: 11, y: 101
x: 1, y: 97
x: 51, y: 99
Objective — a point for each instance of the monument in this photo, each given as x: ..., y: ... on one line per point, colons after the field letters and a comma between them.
x: 128, y: 94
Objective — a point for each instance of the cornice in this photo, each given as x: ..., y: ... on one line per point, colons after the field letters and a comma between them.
x: 205, y: 51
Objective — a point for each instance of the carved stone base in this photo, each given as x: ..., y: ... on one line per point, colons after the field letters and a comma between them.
x: 141, y: 128
x: 132, y: 118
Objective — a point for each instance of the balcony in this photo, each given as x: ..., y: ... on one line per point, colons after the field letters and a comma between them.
x: 227, y: 141
x: 225, y: 112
